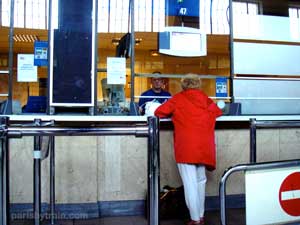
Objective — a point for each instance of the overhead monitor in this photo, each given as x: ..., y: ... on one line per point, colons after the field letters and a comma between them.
x: 182, y: 41
x: 123, y: 49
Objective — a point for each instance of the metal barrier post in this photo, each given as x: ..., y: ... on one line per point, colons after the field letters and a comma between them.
x: 4, y: 173
x: 52, y: 179
x: 222, y: 191
x: 153, y: 171
x: 37, y: 177
x: 252, y: 140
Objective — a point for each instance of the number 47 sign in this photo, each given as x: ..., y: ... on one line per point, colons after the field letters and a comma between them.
x: 182, y: 11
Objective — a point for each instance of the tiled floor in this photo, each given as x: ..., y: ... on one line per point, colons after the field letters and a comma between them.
x: 235, y: 217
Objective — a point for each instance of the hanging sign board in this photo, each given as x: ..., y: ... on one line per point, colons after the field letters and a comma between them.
x: 182, y: 8
x: 273, y: 196
x: 221, y: 87
x: 27, y: 72
x: 40, y: 53
x: 116, y: 70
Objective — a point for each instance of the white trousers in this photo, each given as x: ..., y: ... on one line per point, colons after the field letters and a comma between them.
x: 194, y: 180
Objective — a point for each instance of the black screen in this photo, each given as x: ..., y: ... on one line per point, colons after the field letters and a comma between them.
x: 123, y: 49
x: 73, y: 53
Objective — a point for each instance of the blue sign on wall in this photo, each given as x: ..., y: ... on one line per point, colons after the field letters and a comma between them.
x: 182, y: 8
x: 40, y: 53
x: 221, y: 87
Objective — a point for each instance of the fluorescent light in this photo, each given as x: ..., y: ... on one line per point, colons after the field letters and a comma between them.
x: 25, y: 38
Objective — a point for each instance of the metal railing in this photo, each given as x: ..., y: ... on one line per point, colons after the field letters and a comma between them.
x: 39, y: 129
x: 247, y: 167
x: 254, y: 124
x: 253, y: 165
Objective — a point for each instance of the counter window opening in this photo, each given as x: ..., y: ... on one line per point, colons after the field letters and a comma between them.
x: 256, y: 16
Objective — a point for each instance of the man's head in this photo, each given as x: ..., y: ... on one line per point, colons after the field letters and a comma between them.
x: 157, y: 84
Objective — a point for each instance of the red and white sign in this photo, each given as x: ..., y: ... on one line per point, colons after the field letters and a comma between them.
x: 289, y: 194
x: 272, y: 196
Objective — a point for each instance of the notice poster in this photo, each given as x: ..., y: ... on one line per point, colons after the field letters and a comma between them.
x: 27, y: 72
x: 116, y: 70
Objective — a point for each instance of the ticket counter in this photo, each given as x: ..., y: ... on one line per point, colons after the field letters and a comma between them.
x: 106, y: 175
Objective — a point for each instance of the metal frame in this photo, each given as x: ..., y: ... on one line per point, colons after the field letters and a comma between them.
x: 132, y: 58
x: 39, y: 129
x: 231, y: 52
x: 4, y: 173
x: 95, y: 44
x: 50, y: 43
x: 10, y: 59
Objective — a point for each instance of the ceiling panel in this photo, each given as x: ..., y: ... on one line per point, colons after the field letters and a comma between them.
x: 217, y: 44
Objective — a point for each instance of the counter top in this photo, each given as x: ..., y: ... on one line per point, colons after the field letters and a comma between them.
x: 85, y: 118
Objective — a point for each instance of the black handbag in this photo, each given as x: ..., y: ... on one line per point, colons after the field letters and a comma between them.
x: 172, y: 203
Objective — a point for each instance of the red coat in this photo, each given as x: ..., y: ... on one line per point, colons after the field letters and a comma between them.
x: 193, y: 114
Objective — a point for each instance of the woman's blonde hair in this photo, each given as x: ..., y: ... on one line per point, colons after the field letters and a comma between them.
x: 190, y: 81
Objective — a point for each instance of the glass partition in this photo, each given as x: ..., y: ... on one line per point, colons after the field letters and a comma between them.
x: 209, y: 19
x: 265, y: 53
x: 263, y: 42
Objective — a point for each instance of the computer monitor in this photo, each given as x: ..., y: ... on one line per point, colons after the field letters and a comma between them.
x: 182, y: 41
x: 112, y: 93
x: 123, y: 49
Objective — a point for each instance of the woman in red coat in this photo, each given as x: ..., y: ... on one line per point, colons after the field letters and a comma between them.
x: 193, y: 114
